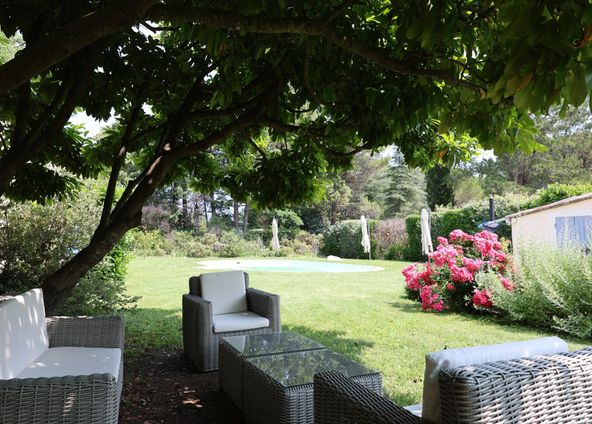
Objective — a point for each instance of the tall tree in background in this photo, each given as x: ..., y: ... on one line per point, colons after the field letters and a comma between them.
x: 406, y: 190
x: 262, y: 98
x: 439, y: 187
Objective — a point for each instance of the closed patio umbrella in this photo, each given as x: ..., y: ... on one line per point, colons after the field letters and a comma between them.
x: 275, y: 241
x: 426, y: 234
x: 365, y: 236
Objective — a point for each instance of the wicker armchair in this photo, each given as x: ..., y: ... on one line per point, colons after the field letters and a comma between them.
x: 200, y: 340
x: 548, y: 388
x: 70, y: 399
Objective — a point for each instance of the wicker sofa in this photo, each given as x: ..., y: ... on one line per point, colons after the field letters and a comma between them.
x: 553, y: 388
x: 66, y: 370
x: 221, y: 304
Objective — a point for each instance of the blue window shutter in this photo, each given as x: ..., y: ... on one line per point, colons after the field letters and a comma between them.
x: 583, y: 226
x: 574, y: 231
x: 562, y: 231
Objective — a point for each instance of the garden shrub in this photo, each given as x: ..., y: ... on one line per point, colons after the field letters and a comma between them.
x: 553, y: 290
x: 448, y: 279
x: 555, y: 192
x: 36, y: 240
x: 231, y: 244
x: 391, y: 239
x: 102, y: 291
x: 305, y: 243
x: 344, y: 239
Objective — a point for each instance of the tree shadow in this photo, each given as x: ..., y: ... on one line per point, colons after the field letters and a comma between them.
x: 334, y: 340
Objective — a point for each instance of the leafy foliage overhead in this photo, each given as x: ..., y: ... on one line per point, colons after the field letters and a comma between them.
x: 293, y: 87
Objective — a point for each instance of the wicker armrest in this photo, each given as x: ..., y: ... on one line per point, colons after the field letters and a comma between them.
x: 197, y: 315
x: 72, y: 399
x: 265, y: 304
x: 105, y: 331
x: 548, y: 388
x: 338, y: 399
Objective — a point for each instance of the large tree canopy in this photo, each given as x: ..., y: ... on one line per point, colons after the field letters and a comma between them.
x: 259, y: 97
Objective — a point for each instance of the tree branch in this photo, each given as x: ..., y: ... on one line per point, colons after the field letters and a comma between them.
x: 313, y: 27
x: 64, y: 42
x: 119, y: 158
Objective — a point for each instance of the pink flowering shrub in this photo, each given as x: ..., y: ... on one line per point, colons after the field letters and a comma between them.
x: 447, y: 280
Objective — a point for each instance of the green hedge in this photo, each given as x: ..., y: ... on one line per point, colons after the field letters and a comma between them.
x: 555, y: 192
x: 344, y: 239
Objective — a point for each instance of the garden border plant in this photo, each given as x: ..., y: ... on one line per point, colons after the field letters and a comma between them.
x: 447, y: 280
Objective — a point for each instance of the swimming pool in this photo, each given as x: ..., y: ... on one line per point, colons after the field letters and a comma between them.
x: 285, y: 265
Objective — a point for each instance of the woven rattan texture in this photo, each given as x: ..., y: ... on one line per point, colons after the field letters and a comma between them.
x: 268, y: 402
x: 339, y: 399
x: 200, y: 343
x: 91, y: 399
x: 544, y: 389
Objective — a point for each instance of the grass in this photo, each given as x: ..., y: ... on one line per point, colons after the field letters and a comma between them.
x: 364, y: 316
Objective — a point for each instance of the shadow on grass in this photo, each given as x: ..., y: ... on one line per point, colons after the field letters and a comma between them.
x: 150, y: 328
x: 334, y: 340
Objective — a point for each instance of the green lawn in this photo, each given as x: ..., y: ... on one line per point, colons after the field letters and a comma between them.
x: 362, y: 315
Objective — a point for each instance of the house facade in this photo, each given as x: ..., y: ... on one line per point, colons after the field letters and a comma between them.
x: 567, y: 222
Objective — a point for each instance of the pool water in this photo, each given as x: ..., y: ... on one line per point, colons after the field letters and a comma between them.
x: 285, y: 265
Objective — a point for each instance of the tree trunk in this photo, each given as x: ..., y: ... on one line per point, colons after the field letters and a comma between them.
x: 236, y: 221
x: 212, y: 205
x: 333, y: 213
x: 57, y: 286
x: 246, y: 218
x: 205, y: 208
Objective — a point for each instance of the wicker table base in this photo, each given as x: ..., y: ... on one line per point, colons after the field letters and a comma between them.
x: 276, y: 387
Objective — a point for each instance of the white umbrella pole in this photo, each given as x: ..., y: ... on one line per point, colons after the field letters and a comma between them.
x: 369, y: 242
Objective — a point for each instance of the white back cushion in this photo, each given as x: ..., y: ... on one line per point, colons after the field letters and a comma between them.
x: 453, y: 358
x: 226, y: 291
x: 23, y: 332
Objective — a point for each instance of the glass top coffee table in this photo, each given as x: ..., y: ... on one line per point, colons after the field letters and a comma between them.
x: 235, y: 349
x: 270, y: 376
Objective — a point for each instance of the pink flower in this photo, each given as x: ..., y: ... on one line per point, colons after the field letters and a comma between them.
x: 459, y: 235
x: 430, y: 300
x: 460, y: 274
x: 482, y: 298
x: 508, y: 285
x: 500, y: 256
x: 485, y: 247
x: 450, y: 287
x: 411, y: 277
x: 442, y: 240
x: 486, y: 235
x: 473, y: 265
x: 443, y: 254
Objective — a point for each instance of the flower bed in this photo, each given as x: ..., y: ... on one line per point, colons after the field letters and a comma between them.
x: 447, y: 280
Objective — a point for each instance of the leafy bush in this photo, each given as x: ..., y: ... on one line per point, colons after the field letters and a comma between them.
x: 555, y: 192
x: 231, y: 245
x: 102, y: 291
x: 344, y: 239
x: 391, y: 239
x: 448, y: 279
x: 553, y: 290
x: 36, y: 240
x: 304, y: 243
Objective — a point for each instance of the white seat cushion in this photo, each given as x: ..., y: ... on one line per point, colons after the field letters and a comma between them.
x: 454, y: 358
x: 226, y: 291
x: 63, y: 361
x: 239, y: 322
x: 23, y: 332
x: 414, y: 409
